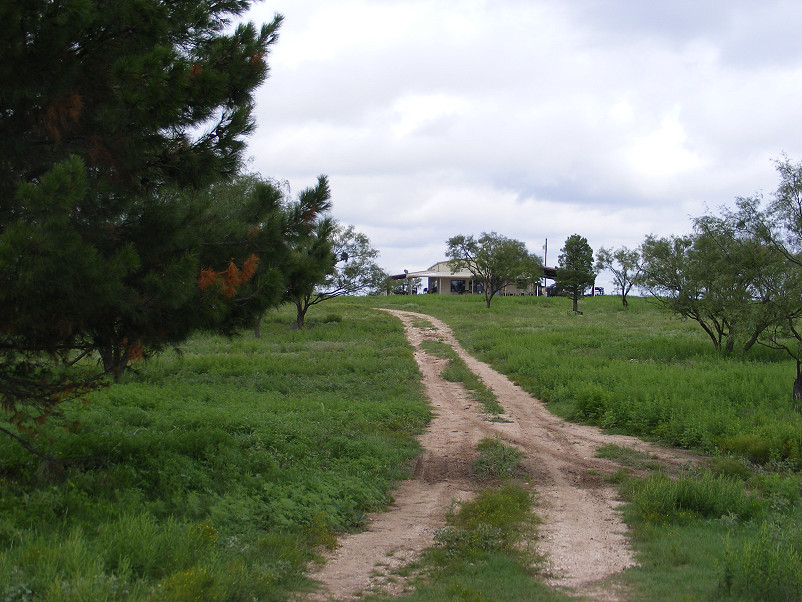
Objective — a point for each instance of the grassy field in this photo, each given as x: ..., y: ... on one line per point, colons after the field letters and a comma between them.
x: 217, y: 473
x: 213, y: 475
x: 733, y: 531
x: 638, y: 371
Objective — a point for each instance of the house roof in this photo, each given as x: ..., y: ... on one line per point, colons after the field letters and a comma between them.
x: 433, y: 274
x: 442, y: 270
x: 439, y: 270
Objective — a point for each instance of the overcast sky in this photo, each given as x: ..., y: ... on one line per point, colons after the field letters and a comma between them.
x: 612, y: 119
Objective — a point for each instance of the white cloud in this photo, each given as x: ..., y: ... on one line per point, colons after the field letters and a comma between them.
x: 663, y: 153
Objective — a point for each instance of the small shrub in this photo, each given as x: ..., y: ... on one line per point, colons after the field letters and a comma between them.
x: 627, y: 456
x: 590, y: 401
x: 285, y: 548
x: 752, y: 447
x: 494, y: 521
x: 320, y: 532
x: 730, y: 467
x: 497, y: 460
x: 658, y: 499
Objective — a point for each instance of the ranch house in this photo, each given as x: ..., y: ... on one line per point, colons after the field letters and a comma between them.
x: 442, y: 281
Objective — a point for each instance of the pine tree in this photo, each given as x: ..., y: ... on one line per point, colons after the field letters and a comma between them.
x: 116, y: 118
x: 311, y: 257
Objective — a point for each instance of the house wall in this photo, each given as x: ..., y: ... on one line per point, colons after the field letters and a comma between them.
x: 532, y: 289
x: 443, y: 284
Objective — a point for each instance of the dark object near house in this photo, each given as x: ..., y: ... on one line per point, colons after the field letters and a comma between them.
x: 553, y: 290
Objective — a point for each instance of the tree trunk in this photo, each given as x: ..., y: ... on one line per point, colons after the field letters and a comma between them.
x: 114, y: 362
x: 257, y: 327
x: 575, y: 302
x: 730, y: 343
x: 798, y: 385
x: 752, y: 340
x: 709, y: 331
x: 300, y: 314
x: 624, y: 301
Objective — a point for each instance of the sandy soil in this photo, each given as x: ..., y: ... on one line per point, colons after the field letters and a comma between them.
x: 582, y: 535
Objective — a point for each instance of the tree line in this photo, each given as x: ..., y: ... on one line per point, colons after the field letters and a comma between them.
x: 127, y: 219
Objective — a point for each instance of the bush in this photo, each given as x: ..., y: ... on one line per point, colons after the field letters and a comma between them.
x: 752, y: 447
x: 591, y: 401
x: 497, y: 460
x: 766, y: 567
x: 658, y: 499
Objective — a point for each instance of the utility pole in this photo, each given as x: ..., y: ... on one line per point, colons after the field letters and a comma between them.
x: 545, y: 261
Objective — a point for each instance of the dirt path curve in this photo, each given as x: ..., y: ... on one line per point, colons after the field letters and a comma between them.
x: 582, y: 534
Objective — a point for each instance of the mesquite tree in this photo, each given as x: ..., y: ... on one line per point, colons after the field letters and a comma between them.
x: 494, y: 260
x: 625, y: 265
x: 722, y: 276
x: 779, y: 227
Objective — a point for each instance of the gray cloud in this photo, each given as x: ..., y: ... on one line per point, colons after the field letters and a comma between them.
x: 610, y: 119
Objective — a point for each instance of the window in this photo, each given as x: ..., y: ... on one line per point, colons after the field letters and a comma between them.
x: 458, y: 286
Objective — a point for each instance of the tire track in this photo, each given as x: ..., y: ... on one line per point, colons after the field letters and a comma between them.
x: 582, y: 536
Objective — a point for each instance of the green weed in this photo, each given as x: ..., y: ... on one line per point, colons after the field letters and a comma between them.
x: 628, y: 457
x: 659, y: 499
x: 767, y: 566
x: 497, y: 460
x: 730, y: 467
x: 752, y: 447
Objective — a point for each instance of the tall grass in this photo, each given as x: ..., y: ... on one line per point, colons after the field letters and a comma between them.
x: 768, y: 565
x: 215, y: 474
x: 658, y: 499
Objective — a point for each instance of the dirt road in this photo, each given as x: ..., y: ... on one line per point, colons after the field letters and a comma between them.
x: 582, y: 534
